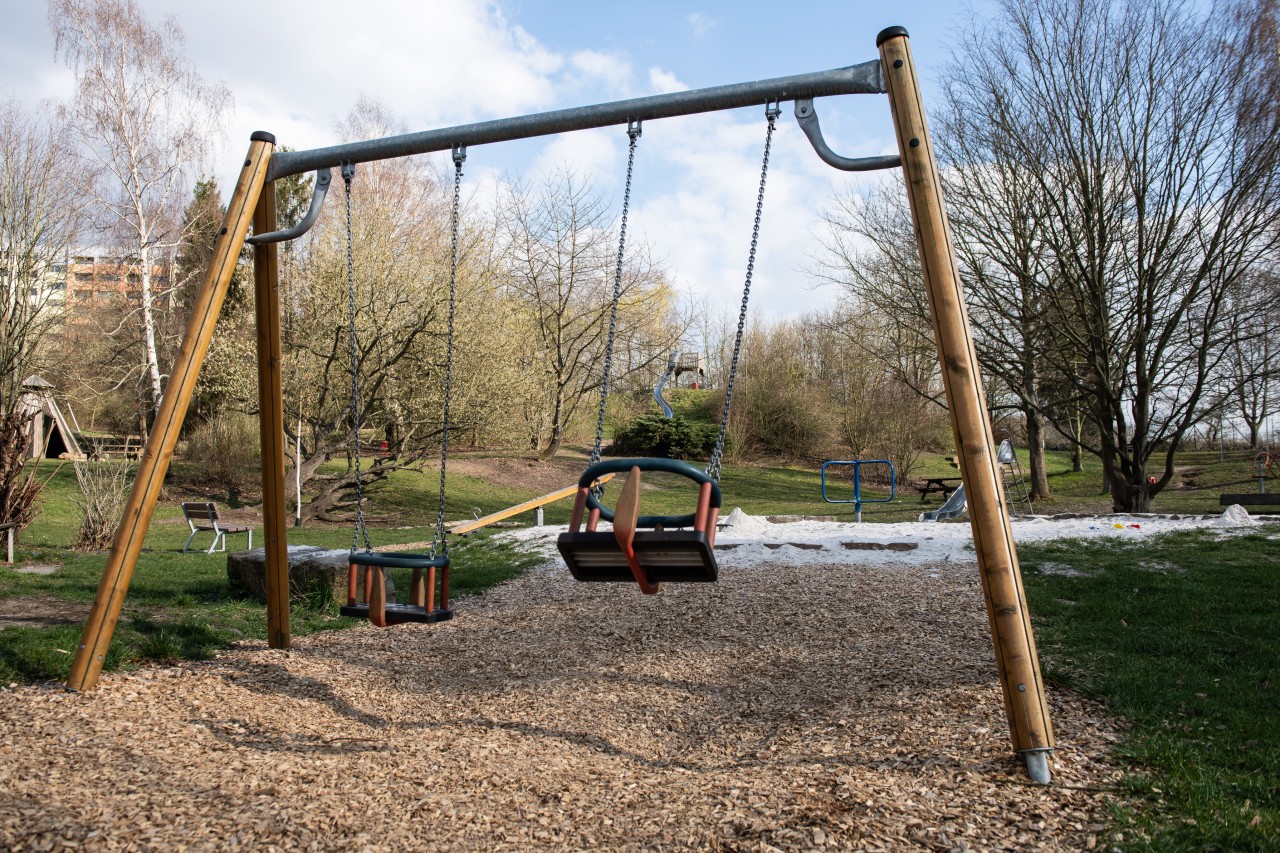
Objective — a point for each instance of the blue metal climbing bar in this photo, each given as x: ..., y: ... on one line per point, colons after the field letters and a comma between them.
x: 858, y: 500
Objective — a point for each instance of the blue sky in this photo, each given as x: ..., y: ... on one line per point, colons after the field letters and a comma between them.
x: 435, y: 63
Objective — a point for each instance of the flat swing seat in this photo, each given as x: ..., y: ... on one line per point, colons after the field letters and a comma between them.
x: 648, y: 550
x: 674, y: 556
x: 421, y: 607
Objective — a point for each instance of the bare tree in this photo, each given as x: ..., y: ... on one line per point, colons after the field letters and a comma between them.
x: 38, y: 220
x: 561, y: 251
x: 1252, y: 360
x: 144, y: 118
x: 1155, y: 210
x: 39, y: 212
x: 997, y: 218
x: 400, y: 220
x: 871, y: 253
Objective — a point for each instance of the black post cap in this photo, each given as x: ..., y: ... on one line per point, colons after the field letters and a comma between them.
x: 888, y: 33
x: 262, y: 136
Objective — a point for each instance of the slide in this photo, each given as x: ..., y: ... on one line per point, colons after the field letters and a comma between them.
x: 953, y: 507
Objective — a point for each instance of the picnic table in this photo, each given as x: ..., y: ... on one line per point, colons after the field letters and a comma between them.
x: 946, y: 485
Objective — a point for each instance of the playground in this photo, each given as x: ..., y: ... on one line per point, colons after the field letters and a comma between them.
x: 819, y: 695
x: 563, y: 715
x: 655, y: 667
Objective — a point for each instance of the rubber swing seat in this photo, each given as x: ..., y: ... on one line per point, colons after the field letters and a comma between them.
x: 642, y: 549
x: 422, y: 611
x: 672, y: 556
x: 398, y: 613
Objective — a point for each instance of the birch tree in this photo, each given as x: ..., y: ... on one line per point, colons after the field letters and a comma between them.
x: 144, y: 119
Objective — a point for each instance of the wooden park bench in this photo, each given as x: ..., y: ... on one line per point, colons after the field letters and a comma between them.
x: 204, y: 516
x: 1251, y: 501
x: 946, y: 485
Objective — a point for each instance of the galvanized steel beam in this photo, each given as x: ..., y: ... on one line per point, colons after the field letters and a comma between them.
x: 865, y: 78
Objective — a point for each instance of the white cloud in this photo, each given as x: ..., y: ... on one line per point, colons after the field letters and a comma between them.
x: 701, y: 23
x: 703, y: 226
x: 609, y: 71
x: 593, y: 153
x: 665, y: 82
x: 435, y: 63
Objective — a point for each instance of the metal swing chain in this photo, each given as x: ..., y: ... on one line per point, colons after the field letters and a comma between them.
x: 772, y: 111
x: 633, y: 134
x: 459, y: 156
x: 357, y: 415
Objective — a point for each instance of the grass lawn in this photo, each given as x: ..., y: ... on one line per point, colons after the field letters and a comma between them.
x: 179, y: 605
x: 1178, y: 636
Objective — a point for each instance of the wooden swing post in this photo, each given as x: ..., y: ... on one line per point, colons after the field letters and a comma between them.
x: 266, y: 278
x: 158, y: 453
x: 1016, y: 660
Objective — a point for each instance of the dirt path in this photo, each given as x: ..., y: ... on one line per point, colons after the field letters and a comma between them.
x: 41, y: 611
x: 838, y: 707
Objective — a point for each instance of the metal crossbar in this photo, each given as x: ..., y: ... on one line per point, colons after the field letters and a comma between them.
x: 866, y: 78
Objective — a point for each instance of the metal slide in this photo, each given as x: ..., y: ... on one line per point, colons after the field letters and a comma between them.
x: 953, y: 507
x: 657, y: 392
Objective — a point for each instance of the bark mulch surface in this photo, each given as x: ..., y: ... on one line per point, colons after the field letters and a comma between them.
x: 843, y: 706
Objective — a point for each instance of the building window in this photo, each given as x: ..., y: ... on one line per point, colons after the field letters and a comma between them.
x: 133, y: 278
x: 60, y: 286
x: 58, y: 268
x: 83, y: 259
x: 108, y: 276
x: 84, y: 276
x: 104, y: 294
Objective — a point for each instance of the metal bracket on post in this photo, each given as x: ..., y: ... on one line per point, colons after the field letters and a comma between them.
x: 807, y: 118
x: 323, y: 179
x: 459, y: 154
x: 1037, y: 762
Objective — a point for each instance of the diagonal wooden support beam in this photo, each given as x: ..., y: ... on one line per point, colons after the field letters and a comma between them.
x: 156, y: 456
x: 1024, y: 696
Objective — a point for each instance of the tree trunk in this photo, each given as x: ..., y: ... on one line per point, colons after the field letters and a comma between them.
x: 149, y: 332
x: 1254, y: 430
x: 1039, y: 473
x: 1131, y: 497
x: 553, y: 446
x: 1077, y: 452
x: 557, y: 430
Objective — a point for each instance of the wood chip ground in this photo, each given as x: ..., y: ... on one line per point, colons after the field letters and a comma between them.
x: 846, y: 706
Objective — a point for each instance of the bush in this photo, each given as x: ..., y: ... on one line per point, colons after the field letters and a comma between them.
x: 19, y: 488
x: 104, y: 490
x: 674, y: 438
x: 227, y: 448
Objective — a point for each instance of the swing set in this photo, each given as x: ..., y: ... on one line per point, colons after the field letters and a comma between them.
x: 642, y: 549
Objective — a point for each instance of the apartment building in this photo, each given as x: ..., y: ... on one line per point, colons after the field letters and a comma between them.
x: 88, y: 279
